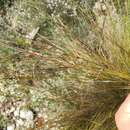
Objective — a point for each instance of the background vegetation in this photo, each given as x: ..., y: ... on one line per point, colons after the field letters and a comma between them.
x: 70, y: 58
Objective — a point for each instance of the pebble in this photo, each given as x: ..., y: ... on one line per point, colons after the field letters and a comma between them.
x: 26, y: 114
x: 19, y: 122
x: 29, y: 124
x: 11, y: 127
x: 16, y: 112
x: 12, y: 109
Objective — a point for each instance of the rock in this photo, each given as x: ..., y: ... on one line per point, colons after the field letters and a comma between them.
x: 12, y: 109
x: 17, y: 112
x: 19, y: 122
x: 11, y: 127
x: 29, y: 124
x: 26, y: 114
x: 32, y: 34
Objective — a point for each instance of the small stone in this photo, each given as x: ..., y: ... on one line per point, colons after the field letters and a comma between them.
x: 12, y: 109
x: 11, y: 127
x: 32, y: 34
x: 26, y: 114
x: 19, y: 122
x: 29, y: 124
x: 16, y: 112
